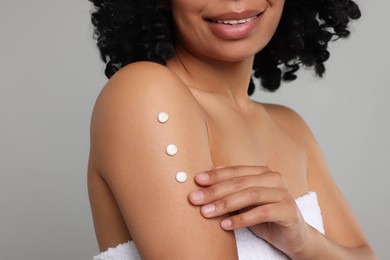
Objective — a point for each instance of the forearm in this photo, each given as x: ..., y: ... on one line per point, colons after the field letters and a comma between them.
x: 321, y: 247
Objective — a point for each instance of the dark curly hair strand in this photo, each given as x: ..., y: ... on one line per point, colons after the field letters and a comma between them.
x: 142, y: 30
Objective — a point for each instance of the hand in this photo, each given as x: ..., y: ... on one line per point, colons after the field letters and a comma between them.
x: 262, y: 200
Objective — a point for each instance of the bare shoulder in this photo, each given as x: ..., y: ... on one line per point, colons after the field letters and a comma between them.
x: 127, y: 109
x: 288, y: 119
x: 141, y: 83
x: 278, y: 110
x: 128, y: 106
x: 148, y: 73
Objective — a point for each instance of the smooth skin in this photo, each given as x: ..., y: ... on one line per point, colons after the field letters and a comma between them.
x: 269, y: 155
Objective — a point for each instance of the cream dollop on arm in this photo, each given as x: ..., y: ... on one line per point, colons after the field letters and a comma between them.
x: 129, y: 147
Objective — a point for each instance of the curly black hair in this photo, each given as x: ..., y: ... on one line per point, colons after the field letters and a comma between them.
x: 143, y: 30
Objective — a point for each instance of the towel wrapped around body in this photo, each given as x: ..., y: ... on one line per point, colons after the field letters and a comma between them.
x: 249, y: 246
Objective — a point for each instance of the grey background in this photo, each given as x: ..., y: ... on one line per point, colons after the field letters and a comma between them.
x: 50, y: 75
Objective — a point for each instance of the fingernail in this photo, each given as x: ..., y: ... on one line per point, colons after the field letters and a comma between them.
x: 197, y: 196
x: 202, y: 176
x: 226, y: 223
x: 208, y: 209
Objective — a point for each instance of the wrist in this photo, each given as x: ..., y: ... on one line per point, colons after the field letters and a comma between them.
x: 309, y: 249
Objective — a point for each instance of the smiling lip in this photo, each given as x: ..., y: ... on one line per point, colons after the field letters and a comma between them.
x: 234, y: 25
x: 234, y: 21
x: 235, y: 15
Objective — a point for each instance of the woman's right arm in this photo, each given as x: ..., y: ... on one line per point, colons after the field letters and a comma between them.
x: 128, y: 148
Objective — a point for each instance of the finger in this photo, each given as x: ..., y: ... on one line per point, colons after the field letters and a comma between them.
x: 220, y: 174
x: 234, y: 185
x: 243, y: 199
x: 223, y: 189
x: 281, y: 213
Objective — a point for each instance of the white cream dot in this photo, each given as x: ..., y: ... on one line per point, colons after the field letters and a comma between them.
x: 163, y: 117
x: 171, y: 150
x: 181, y: 177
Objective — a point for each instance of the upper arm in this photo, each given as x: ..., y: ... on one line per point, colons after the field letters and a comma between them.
x: 128, y: 146
x: 339, y: 221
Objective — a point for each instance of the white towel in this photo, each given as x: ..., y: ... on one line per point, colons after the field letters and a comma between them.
x: 125, y: 251
x: 249, y: 246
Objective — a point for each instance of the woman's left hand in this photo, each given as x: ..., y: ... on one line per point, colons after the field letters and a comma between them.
x: 261, y: 201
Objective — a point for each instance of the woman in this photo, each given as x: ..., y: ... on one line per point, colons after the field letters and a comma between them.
x: 180, y: 156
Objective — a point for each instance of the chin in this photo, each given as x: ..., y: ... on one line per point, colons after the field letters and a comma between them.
x: 234, y: 52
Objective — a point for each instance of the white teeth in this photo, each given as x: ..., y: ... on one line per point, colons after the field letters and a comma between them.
x: 235, y: 22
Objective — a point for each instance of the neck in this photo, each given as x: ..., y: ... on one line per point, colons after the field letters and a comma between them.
x: 229, y: 79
